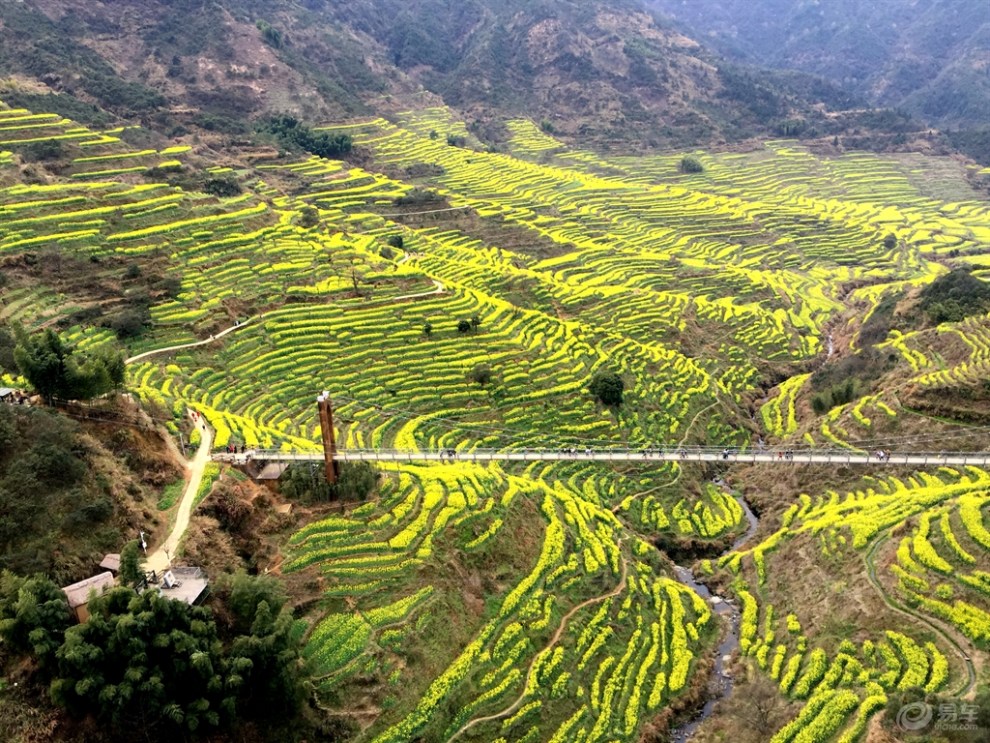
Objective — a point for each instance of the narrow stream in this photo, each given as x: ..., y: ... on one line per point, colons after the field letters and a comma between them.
x: 720, y: 685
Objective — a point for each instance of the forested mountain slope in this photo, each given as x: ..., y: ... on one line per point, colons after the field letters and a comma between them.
x: 603, y: 70
x: 931, y: 58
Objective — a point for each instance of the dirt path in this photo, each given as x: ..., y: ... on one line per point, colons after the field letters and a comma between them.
x: 553, y: 641
x: 438, y: 288
x: 938, y: 627
x: 160, y: 559
x: 179, y: 347
x: 680, y: 470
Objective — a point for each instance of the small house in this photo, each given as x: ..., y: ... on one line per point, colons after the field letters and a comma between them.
x: 80, y: 593
x: 111, y: 562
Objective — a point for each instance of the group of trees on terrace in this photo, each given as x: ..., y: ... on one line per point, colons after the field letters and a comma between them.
x: 306, y: 483
x: 146, y: 666
x: 955, y: 296
x: 58, y: 371
x: 292, y: 134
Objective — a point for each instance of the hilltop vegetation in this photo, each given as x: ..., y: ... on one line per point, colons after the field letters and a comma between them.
x: 146, y: 667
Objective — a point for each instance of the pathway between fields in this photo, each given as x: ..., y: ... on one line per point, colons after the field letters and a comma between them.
x: 943, y: 630
x: 160, y: 559
x: 438, y: 288
x: 553, y: 641
x: 180, y: 346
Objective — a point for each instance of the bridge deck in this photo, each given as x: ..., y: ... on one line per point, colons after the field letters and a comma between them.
x: 695, y: 454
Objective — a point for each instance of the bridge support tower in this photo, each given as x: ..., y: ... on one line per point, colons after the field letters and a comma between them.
x: 329, y: 442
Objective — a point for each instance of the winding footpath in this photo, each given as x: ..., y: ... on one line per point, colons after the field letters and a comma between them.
x: 937, y: 626
x: 194, y: 344
x: 438, y: 288
x: 553, y: 641
x: 161, y: 559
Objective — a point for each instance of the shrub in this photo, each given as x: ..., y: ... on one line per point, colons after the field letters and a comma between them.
x: 691, y: 164
x: 222, y: 187
x: 481, y: 374
x: 835, y: 396
x: 309, y: 217
x: 44, y: 151
x: 607, y: 387
x: 271, y: 35
x: 418, y: 196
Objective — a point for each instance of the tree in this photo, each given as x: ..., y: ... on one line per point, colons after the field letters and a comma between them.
x: 890, y: 241
x: 463, y: 326
x: 691, y: 164
x: 428, y: 330
x: 144, y: 661
x: 158, y: 666
x: 955, y: 296
x: 355, y: 481
x: 130, y: 322
x: 130, y: 565
x: 55, y: 370
x: 607, y: 387
x: 309, y: 217
x: 481, y: 374
x: 34, y: 614
x: 264, y: 650
x: 475, y: 322
x: 294, y: 135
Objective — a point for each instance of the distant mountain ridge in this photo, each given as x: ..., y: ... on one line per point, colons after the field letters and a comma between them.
x: 931, y: 57
x: 606, y: 70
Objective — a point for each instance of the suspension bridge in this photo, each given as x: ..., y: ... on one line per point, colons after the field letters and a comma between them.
x: 682, y: 454
x: 331, y: 456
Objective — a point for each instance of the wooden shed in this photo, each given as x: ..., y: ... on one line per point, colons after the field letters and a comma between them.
x: 80, y: 593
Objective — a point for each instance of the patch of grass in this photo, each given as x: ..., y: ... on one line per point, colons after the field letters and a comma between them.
x: 211, y: 473
x: 171, y: 494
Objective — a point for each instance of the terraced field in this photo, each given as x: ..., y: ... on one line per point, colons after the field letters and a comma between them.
x: 931, y: 579
x: 528, y: 604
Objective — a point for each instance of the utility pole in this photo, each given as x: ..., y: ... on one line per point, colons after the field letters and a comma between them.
x: 326, y: 428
